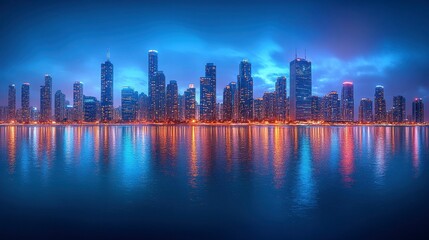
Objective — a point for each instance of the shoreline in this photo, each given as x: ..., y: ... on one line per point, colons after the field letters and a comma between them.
x: 222, y: 124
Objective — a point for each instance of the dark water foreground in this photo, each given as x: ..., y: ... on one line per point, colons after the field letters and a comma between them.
x: 266, y: 182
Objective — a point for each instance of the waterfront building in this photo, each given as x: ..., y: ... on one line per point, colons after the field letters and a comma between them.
x: 190, y: 103
x: 365, y: 111
x: 172, y: 101
x: 78, y: 101
x: 300, y: 90
x: 281, y: 99
x: 245, y: 91
x: 379, y: 104
x: 347, y: 102
x: 398, y: 110
x: 60, y: 106
x: 106, y: 99
x: 418, y: 111
x: 208, y: 94
x: 90, y: 106
x: 25, y: 103
x: 11, y: 103
x: 46, y: 100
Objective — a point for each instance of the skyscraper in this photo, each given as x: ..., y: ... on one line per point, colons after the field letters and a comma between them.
x: 281, y: 99
x: 11, y: 103
x: 398, y: 111
x: 143, y: 107
x: 347, y: 102
x: 269, y: 100
x: 190, y: 103
x: 245, y: 91
x: 172, y: 101
x: 316, y: 108
x: 379, y: 104
x: 60, y: 106
x: 25, y: 102
x: 46, y: 100
x: 365, y: 110
x: 152, y: 84
x: 300, y: 90
x: 157, y: 97
x: 227, y: 103
x: 90, y: 108
x: 106, y: 100
x: 128, y: 104
x: 331, y: 107
x: 208, y: 94
x: 418, y: 110
x: 258, y: 109
x: 235, y: 100
x: 78, y: 101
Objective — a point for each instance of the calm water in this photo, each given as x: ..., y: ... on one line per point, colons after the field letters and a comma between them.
x: 213, y: 181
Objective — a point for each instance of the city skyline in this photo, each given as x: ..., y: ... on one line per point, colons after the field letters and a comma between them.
x: 163, y: 104
x: 351, y: 44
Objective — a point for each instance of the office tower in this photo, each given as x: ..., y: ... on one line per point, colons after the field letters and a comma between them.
x: 128, y: 104
x: 235, y: 100
x: 258, y: 109
x: 418, y: 111
x: 46, y: 100
x: 269, y: 100
x: 379, y: 104
x: 219, y: 111
x: 11, y: 103
x: 90, y: 108
x: 398, y: 111
x: 106, y: 100
x: 331, y: 107
x: 245, y: 91
x: 208, y: 94
x: 281, y: 99
x: 172, y: 102
x: 157, y: 97
x: 227, y: 103
x: 181, y: 100
x: 197, y: 111
x: 3, y: 113
x: 153, y: 87
x: 69, y: 112
x: 34, y: 114
x: 316, y: 108
x: 78, y: 101
x: 25, y: 102
x: 347, y: 102
x: 190, y: 103
x: 143, y: 107
x: 300, y: 90
x: 60, y: 106
x: 365, y: 110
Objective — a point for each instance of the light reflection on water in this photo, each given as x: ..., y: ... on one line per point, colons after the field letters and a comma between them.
x: 266, y: 171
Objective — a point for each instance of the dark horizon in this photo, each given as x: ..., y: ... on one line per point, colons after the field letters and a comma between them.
x: 344, y: 41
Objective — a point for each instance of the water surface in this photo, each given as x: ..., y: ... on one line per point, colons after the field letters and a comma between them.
x: 213, y: 181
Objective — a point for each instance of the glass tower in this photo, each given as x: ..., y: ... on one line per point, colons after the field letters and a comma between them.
x: 300, y: 90
x: 347, y: 102
x: 245, y: 91
x: 106, y: 100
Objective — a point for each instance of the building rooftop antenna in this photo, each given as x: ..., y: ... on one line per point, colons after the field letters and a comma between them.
x: 108, y: 54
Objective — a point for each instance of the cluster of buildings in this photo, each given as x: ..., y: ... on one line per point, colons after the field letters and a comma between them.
x: 164, y: 103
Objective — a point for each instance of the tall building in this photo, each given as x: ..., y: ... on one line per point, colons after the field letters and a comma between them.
x: 347, y: 102
x: 11, y: 103
x: 208, y: 94
x: 365, y: 110
x: 143, y: 107
x: 172, y: 102
x: 128, y: 104
x: 34, y: 114
x: 106, y: 100
x: 25, y: 102
x: 46, y: 100
x: 182, y: 109
x: 227, y: 103
x: 281, y: 99
x: 316, y: 108
x: 157, y: 97
x: 258, y: 109
x: 379, y: 104
x: 78, y: 101
x: 245, y: 91
x: 418, y: 110
x: 153, y: 87
x: 300, y: 90
x: 190, y: 103
x: 235, y: 100
x: 90, y: 108
x: 398, y: 111
x: 331, y: 107
x: 60, y: 106
x: 3, y: 113
x: 269, y: 106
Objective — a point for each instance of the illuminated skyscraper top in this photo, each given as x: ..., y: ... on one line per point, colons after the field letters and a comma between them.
x: 245, y: 91
x: 347, y: 102
x: 379, y: 104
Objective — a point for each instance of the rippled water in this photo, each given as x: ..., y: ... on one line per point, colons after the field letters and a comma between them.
x: 213, y: 181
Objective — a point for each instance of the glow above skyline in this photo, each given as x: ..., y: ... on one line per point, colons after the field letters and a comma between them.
x: 353, y: 42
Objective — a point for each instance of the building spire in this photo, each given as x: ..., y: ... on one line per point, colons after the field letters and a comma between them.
x: 296, y: 54
x: 108, y: 54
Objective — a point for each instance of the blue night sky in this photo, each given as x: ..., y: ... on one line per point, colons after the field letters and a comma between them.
x: 369, y: 43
